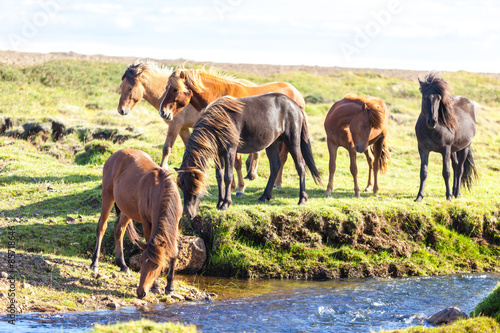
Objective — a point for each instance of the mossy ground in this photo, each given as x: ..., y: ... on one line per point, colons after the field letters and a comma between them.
x: 44, y: 180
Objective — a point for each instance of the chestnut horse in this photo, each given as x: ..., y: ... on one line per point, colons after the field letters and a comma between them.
x: 447, y: 125
x: 359, y: 124
x: 245, y: 125
x: 201, y: 87
x: 147, y: 80
x: 144, y: 192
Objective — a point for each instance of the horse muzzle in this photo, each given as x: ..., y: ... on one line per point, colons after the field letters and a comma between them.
x: 166, y: 114
x: 124, y: 111
x: 141, y: 294
x: 360, y: 148
x: 431, y: 124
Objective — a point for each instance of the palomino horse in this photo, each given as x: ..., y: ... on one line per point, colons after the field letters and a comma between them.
x: 147, y: 80
x: 144, y: 192
x: 356, y: 123
x: 244, y: 125
x: 201, y: 87
x: 446, y: 125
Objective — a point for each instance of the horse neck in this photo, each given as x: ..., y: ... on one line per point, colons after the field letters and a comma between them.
x: 154, y: 87
x: 216, y: 88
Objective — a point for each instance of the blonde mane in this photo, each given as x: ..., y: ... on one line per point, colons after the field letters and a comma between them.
x: 144, y: 66
x: 374, y: 105
x: 184, y: 79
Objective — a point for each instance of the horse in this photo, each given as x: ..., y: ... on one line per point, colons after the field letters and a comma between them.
x: 446, y: 125
x: 145, y: 79
x: 245, y: 125
x: 144, y: 192
x: 359, y: 124
x: 201, y: 87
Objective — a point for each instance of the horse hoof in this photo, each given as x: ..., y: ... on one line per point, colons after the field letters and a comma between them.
x: 94, y: 268
x: 240, y: 194
x: 169, y: 290
x: 251, y: 176
x: 126, y: 270
x: 278, y: 187
x: 328, y: 192
x: 155, y: 290
x: 419, y: 199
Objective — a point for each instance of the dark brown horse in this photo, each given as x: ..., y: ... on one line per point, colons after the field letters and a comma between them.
x: 201, y: 87
x: 359, y: 124
x: 446, y: 125
x: 144, y: 192
x: 244, y: 125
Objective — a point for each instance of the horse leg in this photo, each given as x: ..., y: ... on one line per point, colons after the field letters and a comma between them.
x: 229, y: 159
x: 283, y: 153
x: 107, y: 204
x: 454, y: 165
x: 300, y: 166
x: 369, y: 160
x: 120, y: 226
x: 332, y: 150
x: 170, y: 274
x: 185, y: 135
x: 146, y: 228
x: 173, y: 130
x: 218, y: 175
x: 459, y: 169
x: 251, y: 164
x: 377, y: 152
x: 238, y: 165
x: 424, y: 162
x: 446, y: 171
x: 272, y: 153
x: 354, y: 171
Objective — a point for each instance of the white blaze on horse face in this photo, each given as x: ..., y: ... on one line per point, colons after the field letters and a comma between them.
x: 165, y: 110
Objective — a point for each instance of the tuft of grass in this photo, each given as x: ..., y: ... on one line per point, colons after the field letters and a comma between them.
x: 472, y: 325
x: 144, y: 325
x: 489, y: 306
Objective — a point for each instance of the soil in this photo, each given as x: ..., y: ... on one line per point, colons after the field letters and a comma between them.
x: 30, y: 59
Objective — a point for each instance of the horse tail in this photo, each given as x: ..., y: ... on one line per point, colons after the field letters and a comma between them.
x: 133, y: 235
x: 385, y: 157
x: 305, y: 148
x: 470, y: 175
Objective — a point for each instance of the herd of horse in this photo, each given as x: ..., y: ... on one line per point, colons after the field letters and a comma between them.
x: 231, y: 117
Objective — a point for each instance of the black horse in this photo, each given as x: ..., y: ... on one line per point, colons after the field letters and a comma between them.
x: 244, y: 125
x: 446, y: 125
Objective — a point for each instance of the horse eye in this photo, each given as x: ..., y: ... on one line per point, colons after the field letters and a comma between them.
x: 175, y: 90
x: 129, y: 89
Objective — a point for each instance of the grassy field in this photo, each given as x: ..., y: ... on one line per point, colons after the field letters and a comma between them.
x: 50, y: 189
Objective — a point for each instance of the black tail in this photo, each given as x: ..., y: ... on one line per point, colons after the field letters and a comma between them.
x: 470, y: 175
x: 305, y: 148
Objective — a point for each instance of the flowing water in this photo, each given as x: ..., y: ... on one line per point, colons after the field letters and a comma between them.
x: 359, y: 305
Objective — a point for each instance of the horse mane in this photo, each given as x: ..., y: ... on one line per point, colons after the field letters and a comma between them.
x: 162, y: 244
x: 374, y: 105
x: 214, y: 131
x: 139, y: 66
x: 184, y: 79
x: 435, y: 84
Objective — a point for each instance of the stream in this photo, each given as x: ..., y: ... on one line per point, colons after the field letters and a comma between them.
x: 345, y: 305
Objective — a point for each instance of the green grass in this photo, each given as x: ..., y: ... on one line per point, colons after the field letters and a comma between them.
x: 43, y: 181
x: 144, y: 325
x: 473, y: 325
x: 489, y: 306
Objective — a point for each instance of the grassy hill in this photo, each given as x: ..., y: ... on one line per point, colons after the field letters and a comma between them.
x: 46, y: 178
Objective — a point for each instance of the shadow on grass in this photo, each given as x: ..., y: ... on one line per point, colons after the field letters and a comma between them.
x: 7, y: 180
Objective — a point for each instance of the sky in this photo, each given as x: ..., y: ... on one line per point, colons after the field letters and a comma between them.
x: 400, y: 34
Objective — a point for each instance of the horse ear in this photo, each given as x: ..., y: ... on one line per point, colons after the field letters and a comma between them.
x: 193, y: 175
x: 182, y: 75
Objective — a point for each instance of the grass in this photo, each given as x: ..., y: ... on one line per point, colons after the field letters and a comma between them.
x: 44, y: 181
x: 144, y: 325
x: 473, y: 325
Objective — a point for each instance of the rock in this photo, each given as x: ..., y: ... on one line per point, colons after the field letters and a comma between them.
x: 81, y: 300
x: 70, y: 220
x: 113, y: 305
x: 134, y: 263
x: 446, y: 316
x: 192, y: 255
x: 4, y: 275
x: 26, y: 285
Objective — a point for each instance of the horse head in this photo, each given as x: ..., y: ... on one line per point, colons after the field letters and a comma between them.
x: 192, y: 183
x: 431, y: 103
x: 132, y: 91
x: 360, y: 128
x: 437, y: 103
x: 149, y: 272
x: 177, y: 95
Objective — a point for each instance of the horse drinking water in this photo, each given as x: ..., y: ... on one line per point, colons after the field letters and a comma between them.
x: 359, y: 124
x: 144, y: 192
x: 446, y: 125
x: 246, y: 125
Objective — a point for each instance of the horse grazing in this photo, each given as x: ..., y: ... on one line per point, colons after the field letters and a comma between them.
x: 201, y: 87
x: 359, y: 124
x: 144, y: 192
x: 246, y: 125
x: 147, y: 80
x: 447, y: 125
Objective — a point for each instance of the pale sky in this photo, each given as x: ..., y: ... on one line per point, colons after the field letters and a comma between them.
x: 403, y: 34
